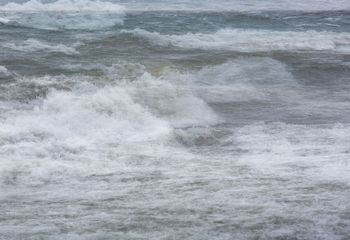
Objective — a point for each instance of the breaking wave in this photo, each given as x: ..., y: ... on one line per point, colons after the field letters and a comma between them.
x: 251, y: 40
x: 89, y: 122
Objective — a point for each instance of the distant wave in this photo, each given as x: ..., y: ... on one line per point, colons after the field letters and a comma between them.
x: 251, y: 40
x: 32, y: 45
x: 62, y: 14
x: 64, y: 6
x: 238, y: 5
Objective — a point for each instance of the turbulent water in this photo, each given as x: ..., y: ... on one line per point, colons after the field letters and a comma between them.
x: 175, y: 119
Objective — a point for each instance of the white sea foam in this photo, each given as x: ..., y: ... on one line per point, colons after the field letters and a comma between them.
x: 64, y: 6
x: 90, y: 123
x: 77, y: 126
x: 250, y: 40
x: 32, y: 45
x: 138, y: 151
x: 320, y: 152
x: 118, y: 144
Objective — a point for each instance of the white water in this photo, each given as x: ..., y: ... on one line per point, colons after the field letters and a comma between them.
x: 127, y: 151
x: 278, y: 148
x: 108, y: 131
x: 32, y: 45
x: 144, y: 114
x: 89, y: 122
x: 252, y: 40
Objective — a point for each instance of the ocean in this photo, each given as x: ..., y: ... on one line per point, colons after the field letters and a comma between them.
x: 175, y: 119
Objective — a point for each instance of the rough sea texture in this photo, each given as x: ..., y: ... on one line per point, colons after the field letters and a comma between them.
x: 172, y: 119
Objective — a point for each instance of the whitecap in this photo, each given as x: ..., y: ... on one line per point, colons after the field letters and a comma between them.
x: 137, y: 116
x: 251, y: 40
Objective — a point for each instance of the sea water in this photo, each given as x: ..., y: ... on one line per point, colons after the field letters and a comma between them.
x: 175, y: 119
